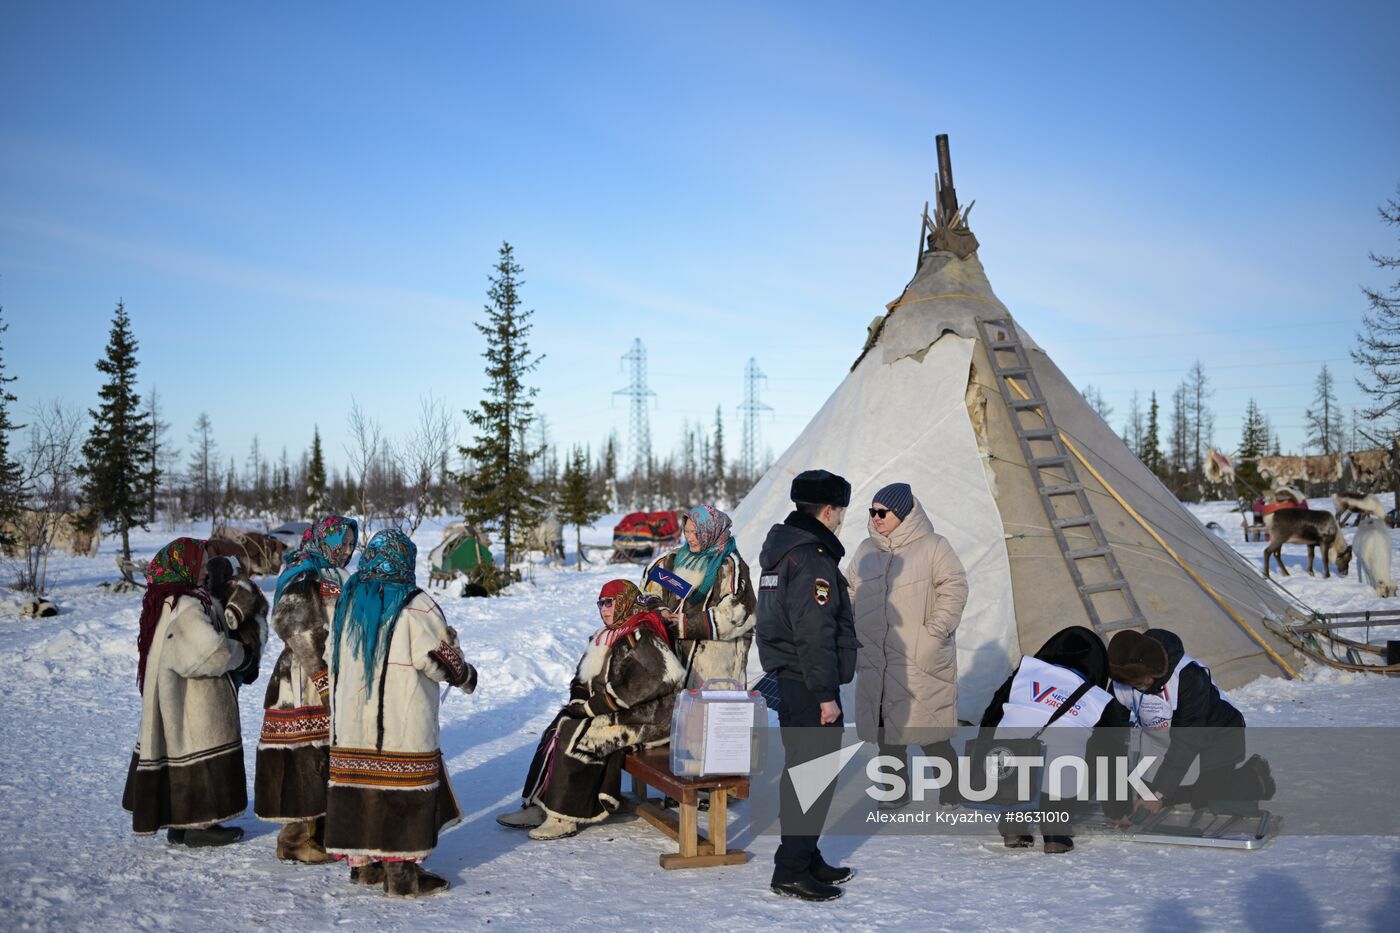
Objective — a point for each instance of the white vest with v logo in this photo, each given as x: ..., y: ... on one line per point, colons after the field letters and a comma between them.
x: 1038, y: 689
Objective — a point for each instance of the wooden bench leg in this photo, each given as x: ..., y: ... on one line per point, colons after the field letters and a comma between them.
x: 700, y: 852
x: 690, y: 829
x: 719, y: 821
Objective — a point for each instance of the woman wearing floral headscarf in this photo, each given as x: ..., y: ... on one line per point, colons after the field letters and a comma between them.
x: 620, y: 699
x: 289, y: 785
x: 187, y: 771
x: 708, y: 600
x: 389, y: 649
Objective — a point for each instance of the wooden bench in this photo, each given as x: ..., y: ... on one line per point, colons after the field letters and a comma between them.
x: 440, y: 578
x: 652, y: 768
x: 1256, y: 532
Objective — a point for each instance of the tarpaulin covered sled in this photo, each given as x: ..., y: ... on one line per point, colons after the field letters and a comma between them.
x: 642, y: 535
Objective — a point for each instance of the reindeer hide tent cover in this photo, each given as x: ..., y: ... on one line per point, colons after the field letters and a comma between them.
x: 922, y: 405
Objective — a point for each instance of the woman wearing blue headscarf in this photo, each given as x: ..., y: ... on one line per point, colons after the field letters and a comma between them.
x: 389, y: 649
x: 289, y: 785
x: 708, y: 600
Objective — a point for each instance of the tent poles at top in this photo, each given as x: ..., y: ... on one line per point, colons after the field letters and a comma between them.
x: 1230, y: 610
x: 925, y: 229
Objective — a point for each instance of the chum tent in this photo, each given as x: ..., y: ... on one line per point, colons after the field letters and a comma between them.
x: 935, y: 400
x: 460, y: 549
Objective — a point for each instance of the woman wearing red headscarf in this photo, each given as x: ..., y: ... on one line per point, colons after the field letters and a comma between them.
x: 187, y: 771
x: 620, y: 699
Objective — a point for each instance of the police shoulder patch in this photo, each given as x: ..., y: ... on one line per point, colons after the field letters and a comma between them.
x: 822, y: 591
x: 769, y: 581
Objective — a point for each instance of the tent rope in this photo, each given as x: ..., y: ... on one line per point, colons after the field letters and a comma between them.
x: 950, y: 295
x: 1230, y: 610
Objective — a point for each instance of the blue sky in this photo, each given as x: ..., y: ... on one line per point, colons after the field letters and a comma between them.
x: 300, y: 203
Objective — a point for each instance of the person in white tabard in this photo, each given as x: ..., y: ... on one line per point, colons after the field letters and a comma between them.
x: 1180, y: 716
x: 1094, y: 727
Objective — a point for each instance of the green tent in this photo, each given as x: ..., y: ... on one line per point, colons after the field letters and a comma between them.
x: 461, y: 550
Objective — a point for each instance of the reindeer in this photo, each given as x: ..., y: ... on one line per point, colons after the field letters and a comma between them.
x: 257, y: 553
x: 244, y: 605
x: 1359, y: 504
x: 1372, y: 548
x: 1312, y: 527
x: 546, y: 537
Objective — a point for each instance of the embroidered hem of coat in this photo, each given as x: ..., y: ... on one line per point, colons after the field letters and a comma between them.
x: 368, y: 768
x: 295, y: 728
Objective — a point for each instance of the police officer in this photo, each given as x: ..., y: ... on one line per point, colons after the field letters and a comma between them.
x: 807, y: 638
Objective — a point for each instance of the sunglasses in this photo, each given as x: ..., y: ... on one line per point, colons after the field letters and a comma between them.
x: 605, y: 602
x: 880, y: 513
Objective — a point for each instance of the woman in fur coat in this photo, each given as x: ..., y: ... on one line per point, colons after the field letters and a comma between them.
x: 187, y: 770
x: 620, y: 699
x: 289, y: 785
x: 389, y: 649
x: 707, y: 599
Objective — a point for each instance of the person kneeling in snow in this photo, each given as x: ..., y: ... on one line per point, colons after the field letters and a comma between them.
x: 1184, y: 720
x: 1094, y: 728
x: 388, y: 794
x: 620, y: 699
x: 187, y: 771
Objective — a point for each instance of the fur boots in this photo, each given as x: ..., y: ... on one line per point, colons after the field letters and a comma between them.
x: 554, y: 828
x: 523, y: 818
x: 408, y: 879
x: 297, y: 843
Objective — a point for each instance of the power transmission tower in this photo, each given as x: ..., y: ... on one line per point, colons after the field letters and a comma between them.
x: 749, y: 452
x: 639, y: 432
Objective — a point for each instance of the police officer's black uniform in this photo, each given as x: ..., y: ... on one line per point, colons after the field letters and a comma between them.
x: 806, y: 636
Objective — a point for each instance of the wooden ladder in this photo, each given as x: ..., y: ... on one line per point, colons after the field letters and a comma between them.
x: 1056, y: 480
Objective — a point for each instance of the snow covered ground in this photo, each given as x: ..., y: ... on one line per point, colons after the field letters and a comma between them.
x: 69, y: 709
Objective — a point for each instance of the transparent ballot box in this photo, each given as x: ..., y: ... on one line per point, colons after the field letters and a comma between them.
x: 714, y: 730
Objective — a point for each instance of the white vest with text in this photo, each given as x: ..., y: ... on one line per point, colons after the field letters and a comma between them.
x: 1152, y: 716
x: 1038, y: 689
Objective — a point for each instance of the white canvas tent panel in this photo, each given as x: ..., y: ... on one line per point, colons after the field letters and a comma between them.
x: 902, y: 414
x: 906, y: 422
x: 438, y: 554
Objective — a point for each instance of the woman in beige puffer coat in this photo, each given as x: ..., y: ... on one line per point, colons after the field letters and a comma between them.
x: 908, y: 591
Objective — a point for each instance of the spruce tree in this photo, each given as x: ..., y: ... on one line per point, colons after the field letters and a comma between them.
x: 118, y: 477
x: 11, y: 476
x: 500, y: 492
x: 1151, y: 454
x: 316, y: 501
x: 579, y: 504
x: 608, y: 472
x: 1254, y: 443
